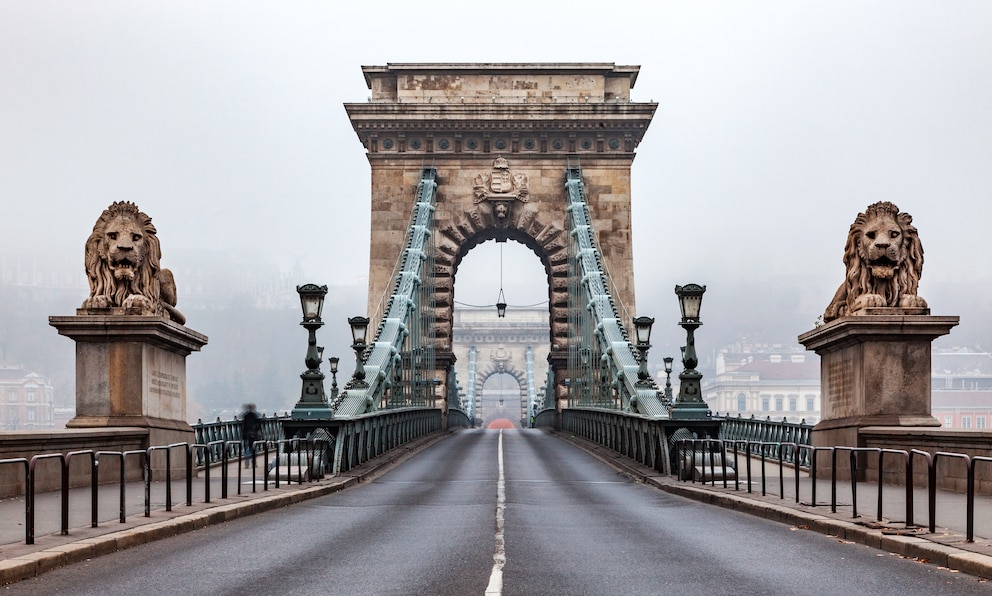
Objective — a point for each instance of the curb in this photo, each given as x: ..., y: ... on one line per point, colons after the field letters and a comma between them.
x: 914, y: 547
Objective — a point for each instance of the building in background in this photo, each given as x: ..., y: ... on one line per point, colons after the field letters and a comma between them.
x: 961, y: 389
x: 761, y: 380
x: 26, y: 400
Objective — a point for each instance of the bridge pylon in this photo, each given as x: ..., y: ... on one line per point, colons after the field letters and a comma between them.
x: 500, y: 138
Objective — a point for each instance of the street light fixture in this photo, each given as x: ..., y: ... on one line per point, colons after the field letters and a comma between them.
x: 359, y: 329
x: 642, y: 330
x: 690, y: 402
x: 334, y: 360
x: 312, y: 300
x: 313, y: 401
x: 501, y: 305
x: 668, y: 379
x: 436, y: 382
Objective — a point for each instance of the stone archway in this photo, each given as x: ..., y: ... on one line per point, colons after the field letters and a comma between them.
x: 540, y: 228
x: 515, y: 411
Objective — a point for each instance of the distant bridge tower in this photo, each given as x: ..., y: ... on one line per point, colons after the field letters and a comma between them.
x: 500, y: 136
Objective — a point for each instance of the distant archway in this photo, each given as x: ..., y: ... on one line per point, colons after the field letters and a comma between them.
x: 502, y: 396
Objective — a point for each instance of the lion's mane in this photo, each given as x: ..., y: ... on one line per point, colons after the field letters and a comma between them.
x: 863, y: 288
x: 150, y: 288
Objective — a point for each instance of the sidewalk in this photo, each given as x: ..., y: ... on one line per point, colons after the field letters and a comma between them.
x: 947, y: 547
x: 51, y: 549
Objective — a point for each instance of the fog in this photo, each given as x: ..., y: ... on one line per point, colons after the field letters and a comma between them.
x: 778, y: 122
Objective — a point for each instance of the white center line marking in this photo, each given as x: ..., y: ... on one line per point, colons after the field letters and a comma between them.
x: 495, y: 587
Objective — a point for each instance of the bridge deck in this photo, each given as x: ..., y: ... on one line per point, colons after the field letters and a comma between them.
x: 17, y: 560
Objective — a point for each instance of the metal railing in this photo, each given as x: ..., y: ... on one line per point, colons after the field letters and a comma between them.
x: 639, y: 437
x: 362, y: 438
x: 313, y: 450
x: 769, y: 433
x: 228, y: 432
x: 745, y: 453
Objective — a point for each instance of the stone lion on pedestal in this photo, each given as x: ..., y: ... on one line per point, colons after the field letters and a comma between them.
x: 884, y: 260
x: 122, y: 264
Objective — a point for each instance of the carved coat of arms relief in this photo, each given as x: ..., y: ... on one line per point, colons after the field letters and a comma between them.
x: 501, y: 188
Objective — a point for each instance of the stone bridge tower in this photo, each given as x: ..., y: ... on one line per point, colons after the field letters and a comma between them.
x: 500, y: 137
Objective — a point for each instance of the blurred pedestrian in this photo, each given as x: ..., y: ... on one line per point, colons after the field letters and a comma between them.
x: 251, y: 431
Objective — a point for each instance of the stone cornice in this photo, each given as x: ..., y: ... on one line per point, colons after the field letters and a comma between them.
x: 602, y: 129
x: 853, y: 329
x: 605, y: 69
x: 521, y: 115
x: 157, y: 331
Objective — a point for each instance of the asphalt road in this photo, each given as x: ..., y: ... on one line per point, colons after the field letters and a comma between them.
x: 570, y: 524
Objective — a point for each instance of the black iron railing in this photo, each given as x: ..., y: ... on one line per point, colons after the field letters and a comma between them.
x: 698, y: 461
x: 775, y: 436
x: 219, y: 434
x: 309, y: 469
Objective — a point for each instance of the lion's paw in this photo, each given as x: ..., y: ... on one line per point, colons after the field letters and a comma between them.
x: 868, y: 301
x: 912, y: 301
x: 833, y: 312
x: 97, y: 302
x: 139, y: 302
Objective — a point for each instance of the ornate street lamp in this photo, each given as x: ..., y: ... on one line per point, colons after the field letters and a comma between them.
x: 668, y: 379
x: 642, y: 329
x: 313, y: 401
x: 334, y: 360
x: 436, y: 382
x: 359, y: 329
x: 690, y: 402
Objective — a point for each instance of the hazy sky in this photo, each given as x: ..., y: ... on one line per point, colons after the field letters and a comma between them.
x: 778, y: 122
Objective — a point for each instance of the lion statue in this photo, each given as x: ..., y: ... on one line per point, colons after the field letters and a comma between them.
x: 122, y: 264
x: 884, y: 260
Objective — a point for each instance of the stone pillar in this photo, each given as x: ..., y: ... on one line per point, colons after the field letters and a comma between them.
x: 131, y: 371
x: 874, y: 371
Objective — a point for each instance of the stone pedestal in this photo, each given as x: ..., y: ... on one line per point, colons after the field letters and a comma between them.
x: 131, y: 371
x: 874, y: 371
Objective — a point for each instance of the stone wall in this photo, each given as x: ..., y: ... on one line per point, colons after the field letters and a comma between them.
x: 48, y: 473
x: 952, y: 473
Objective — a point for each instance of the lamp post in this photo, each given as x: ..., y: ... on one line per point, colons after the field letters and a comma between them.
x: 359, y: 329
x: 668, y: 379
x: 642, y: 328
x: 334, y: 360
x: 584, y: 381
x: 435, y: 382
x: 313, y: 401
x: 690, y: 404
